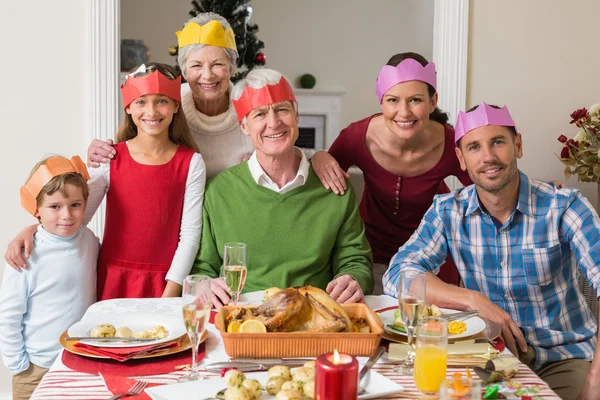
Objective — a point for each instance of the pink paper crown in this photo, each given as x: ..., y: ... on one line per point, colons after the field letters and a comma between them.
x: 483, y: 115
x: 407, y: 70
x: 154, y: 83
x: 252, y: 98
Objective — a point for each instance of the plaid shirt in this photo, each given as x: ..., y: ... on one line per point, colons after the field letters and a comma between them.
x: 527, y: 266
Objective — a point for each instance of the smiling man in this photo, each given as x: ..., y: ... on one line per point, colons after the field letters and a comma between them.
x: 297, y: 232
x: 519, y: 245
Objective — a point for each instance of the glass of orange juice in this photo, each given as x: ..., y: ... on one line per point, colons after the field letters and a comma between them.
x: 431, y: 354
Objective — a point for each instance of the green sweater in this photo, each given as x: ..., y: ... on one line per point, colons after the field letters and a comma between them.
x: 307, y: 236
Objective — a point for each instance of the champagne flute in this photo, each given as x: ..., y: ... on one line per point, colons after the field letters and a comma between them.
x: 196, y: 312
x: 411, y: 300
x: 234, y: 267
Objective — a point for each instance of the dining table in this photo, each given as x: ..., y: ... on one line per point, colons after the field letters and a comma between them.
x: 62, y: 382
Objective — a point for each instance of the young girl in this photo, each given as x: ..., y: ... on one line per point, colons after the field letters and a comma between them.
x: 154, y: 190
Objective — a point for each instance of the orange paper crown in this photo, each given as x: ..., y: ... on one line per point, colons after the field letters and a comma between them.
x: 54, y: 166
x: 269, y: 94
x: 156, y: 82
x: 212, y: 33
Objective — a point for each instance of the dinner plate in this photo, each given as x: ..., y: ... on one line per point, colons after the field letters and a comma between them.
x: 184, y: 344
x: 134, y: 321
x: 375, y: 384
x: 474, y: 325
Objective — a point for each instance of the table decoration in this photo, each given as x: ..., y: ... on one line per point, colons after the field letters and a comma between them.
x: 336, y: 377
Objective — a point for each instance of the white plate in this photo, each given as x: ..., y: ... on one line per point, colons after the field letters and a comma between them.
x: 375, y: 384
x: 252, y: 298
x: 134, y: 321
x: 474, y: 324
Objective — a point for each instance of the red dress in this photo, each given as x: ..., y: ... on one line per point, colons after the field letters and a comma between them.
x: 144, y: 204
x: 392, y: 207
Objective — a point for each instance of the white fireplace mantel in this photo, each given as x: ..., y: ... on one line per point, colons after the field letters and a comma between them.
x: 322, y: 102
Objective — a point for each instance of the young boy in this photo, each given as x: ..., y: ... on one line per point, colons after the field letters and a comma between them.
x: 39, y: 303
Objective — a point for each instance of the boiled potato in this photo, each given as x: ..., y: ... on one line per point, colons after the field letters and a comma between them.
x: 291, y: 385
x: 140, y: 335
x: 310, y: 364
x: 309, y: 389
x: 274, y: 384
x: 280, y: 370
x: 253, y: 387
x: 303, y: 375
x: 105, y: 330
x: 124, y: 332
x: 289, y: 395
x: 435, y: 311
x: 233, y: 377
x: 237, y: 393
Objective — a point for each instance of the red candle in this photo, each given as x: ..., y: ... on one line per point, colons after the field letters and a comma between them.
x: 336, y: 377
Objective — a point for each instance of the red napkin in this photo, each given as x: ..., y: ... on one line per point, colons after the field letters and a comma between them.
x: 139, y: 367
x: 119, y: 384
x: 124, y: 353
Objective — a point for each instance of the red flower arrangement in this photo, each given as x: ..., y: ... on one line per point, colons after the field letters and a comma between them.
x: 581, y: 155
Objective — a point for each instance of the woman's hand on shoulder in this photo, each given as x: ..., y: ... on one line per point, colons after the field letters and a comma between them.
x: 100, y: 151
x: 330, y: 173
x: 19, y: 248
x: 219, y: 293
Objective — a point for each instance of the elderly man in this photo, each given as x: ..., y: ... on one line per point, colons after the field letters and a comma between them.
x: 297, y: 232
x: 518, y: 244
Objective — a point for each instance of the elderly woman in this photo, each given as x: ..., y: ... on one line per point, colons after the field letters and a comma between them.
x: 299, y: 232
x: 207, y: 58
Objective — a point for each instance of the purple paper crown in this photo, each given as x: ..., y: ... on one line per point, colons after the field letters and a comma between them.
x: 483, y: 115
x: 407, y: 70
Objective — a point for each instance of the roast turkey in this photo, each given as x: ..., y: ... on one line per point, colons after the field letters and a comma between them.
x: 305, y: 308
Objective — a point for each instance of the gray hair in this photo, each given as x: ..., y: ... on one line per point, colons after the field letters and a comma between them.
x: 256, y: 79
x: 202, y: 19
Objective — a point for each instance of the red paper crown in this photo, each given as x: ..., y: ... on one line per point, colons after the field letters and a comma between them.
x: 156, y: 82
x: 252, y: 98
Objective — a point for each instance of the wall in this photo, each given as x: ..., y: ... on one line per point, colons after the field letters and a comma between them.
x: 343, y: 43
x: 43, y: 103
x: 540, y: 58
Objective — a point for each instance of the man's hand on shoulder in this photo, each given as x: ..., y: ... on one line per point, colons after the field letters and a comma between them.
x: 511, y: 333
x: 344, y: 289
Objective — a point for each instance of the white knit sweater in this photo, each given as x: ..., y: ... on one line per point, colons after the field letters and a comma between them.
x: 219, y: 138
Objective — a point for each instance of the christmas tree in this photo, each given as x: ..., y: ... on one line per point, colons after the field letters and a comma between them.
x: 238, y: 14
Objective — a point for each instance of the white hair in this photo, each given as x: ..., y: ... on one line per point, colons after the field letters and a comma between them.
x: 202, y: 19
x: 256, y: 79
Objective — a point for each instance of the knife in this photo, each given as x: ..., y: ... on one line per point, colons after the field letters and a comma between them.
x: 257, y: 365
x: 108, y: 339
x: 370, y: 362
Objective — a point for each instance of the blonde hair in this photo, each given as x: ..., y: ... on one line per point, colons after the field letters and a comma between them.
x: 59, y: 182
x: 179, y: 131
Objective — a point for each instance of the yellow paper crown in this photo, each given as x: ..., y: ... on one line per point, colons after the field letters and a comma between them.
x: 212, y: 33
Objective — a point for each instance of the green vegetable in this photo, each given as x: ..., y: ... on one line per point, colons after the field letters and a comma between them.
x: 396, y: 313
x: 399, y: 328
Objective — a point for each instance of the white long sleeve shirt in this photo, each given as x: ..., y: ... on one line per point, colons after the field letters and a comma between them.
x: 39, y: 303
x: 191, y: 217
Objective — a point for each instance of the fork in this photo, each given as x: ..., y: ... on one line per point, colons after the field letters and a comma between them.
x: 460, y: 316
x: 134, y: 390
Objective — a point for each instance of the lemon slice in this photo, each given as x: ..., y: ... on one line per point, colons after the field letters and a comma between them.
x: 253, y: 326
x: 234, y: 327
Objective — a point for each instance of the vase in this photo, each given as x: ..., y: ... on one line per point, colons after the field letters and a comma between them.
x: 133, y: 54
